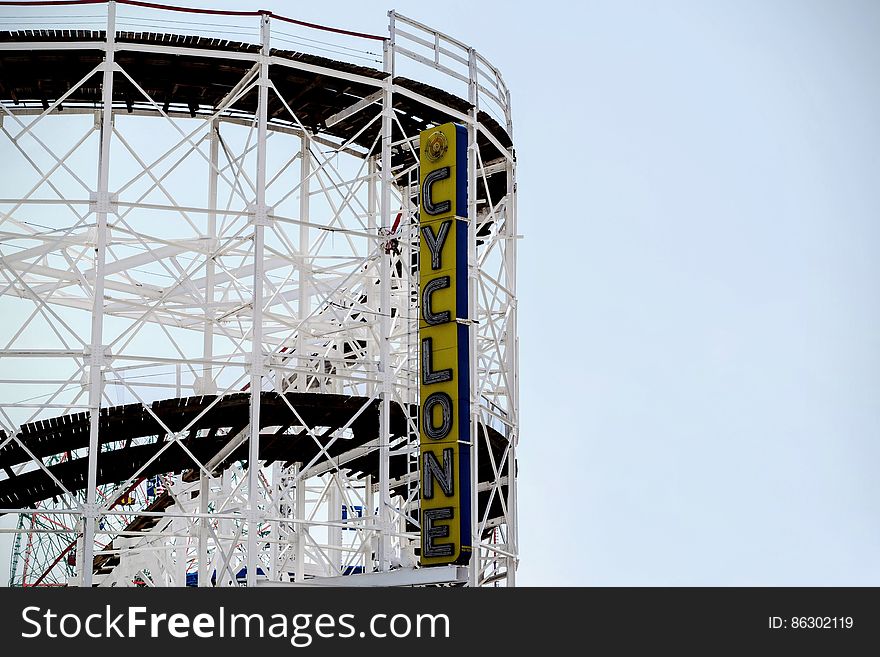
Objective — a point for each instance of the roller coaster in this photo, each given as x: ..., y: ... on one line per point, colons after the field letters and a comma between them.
x: 209, y: 253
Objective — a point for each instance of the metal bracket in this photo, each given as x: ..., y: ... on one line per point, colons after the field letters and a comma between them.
x: 99, y: 358
x: 106, y: 202
x: 259, y: 214
x: 257, y: 367
x: 252, y: 516
x: 99, y: 119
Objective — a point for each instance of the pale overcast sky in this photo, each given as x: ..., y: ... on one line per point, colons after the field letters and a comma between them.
x: 699, y: 190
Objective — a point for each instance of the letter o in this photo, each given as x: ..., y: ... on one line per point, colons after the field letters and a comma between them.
x: 444, y: 401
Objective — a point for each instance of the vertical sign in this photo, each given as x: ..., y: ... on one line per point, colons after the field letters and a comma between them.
x: 444, y: 362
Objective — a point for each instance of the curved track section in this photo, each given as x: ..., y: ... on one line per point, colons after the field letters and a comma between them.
x: 214, y: 423
x: 196, y: 84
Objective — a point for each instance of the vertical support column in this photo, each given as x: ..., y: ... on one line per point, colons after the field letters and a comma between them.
x: 512, y: 357
x: 388, y: 52
x: 260, y: 218
x: 204, y: 498
x: 473, y: 273
x: 177, y: 571
x: 303, y: 359
x: 80, y: 527
x: 373, y: 228
x: 207, y: 385
x: 301, y: 527
x: 277, y: 492
x: 369, y: 505
x: 508, y: 117
x: 96, y: 376
x: 385, y: 317
x: 334, y: 533
x: 224, y: 533
x: 384, y: 501
x: 375, y: 524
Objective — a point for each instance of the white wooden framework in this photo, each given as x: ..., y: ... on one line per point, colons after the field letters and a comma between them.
x: 149, y: 252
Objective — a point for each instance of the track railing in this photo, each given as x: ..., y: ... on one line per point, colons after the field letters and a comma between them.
x: 458, y: 68
x: 454, y: 60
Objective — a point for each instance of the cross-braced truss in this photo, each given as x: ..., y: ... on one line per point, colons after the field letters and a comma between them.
x: 188, y: 222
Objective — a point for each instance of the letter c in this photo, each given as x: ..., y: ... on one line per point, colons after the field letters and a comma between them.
x: 428, y: 204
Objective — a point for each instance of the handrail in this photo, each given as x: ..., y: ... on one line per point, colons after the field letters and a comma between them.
x: 408, y: 38
x: 192, y: 10
x: 452, y: 58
